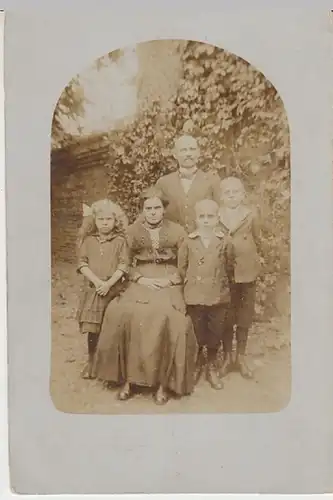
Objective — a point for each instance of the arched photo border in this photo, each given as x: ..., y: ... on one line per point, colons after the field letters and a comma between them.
x: 167, y: 453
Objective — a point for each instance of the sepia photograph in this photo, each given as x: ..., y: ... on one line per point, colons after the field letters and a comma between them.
x: 168, y: 227
x: 170, y: 231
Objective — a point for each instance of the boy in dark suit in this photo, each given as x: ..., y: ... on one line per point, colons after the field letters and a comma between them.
x: 204, y: 263
x: 242, y: 225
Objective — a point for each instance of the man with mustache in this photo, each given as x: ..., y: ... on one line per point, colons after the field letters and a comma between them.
x: 188, y: 185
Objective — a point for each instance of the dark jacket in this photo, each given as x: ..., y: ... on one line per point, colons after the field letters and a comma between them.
x: 245, y: 239
x: 181, y: 205
x: 206, y: 271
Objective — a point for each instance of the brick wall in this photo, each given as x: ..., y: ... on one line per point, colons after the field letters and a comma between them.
x: 78, y: 176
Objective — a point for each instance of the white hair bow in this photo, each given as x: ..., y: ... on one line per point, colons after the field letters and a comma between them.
x: 86, y: 210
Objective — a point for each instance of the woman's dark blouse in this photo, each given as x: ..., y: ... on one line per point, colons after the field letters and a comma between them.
x: 141, y: 248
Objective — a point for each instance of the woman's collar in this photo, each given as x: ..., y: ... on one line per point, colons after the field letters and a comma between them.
x: 155, y: 226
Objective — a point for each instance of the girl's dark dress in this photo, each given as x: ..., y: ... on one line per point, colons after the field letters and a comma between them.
x: 103, y: 258
x: 146, y: 337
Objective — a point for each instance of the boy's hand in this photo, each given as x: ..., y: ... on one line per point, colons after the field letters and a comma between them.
x: 103, y: 289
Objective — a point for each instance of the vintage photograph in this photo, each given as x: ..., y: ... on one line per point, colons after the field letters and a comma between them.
x: 170, y: 229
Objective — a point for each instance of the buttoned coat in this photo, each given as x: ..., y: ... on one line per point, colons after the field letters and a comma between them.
x: 246, y: 242
x: 206, y: 271
x: 205, y: 185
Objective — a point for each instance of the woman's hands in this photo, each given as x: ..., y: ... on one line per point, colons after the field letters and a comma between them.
x: 155, y: 283
x: 163, y: 282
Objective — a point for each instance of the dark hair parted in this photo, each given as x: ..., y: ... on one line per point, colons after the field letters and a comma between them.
x: 152, y: 192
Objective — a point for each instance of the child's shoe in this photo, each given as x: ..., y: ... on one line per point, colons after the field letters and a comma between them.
x: 89, y: 371
x: 242, y: 367
x: 213, y: 378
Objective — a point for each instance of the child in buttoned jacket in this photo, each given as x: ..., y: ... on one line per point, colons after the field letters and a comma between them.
x: 205, y: 264
x: 242, y: 224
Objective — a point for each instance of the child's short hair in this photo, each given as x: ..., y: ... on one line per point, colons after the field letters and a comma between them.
x: 211, y: 204
x: 231, y: 180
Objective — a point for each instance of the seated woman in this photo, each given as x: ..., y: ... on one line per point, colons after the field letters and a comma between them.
x: 146, y: 337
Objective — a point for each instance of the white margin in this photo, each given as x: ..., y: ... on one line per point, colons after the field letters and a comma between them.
x: 4, y: 468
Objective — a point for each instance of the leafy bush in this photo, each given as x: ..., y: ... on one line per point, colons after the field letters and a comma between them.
x: 69, y: 106
x: 242, y: 128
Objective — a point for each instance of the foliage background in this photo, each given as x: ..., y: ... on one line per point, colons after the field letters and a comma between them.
x: 241, y: 125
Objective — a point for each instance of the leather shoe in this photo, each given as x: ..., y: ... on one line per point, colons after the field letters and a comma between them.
x: 213, y: 378
x: 161, y: 397
x: 89, y: 371
x: 124, y: 394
